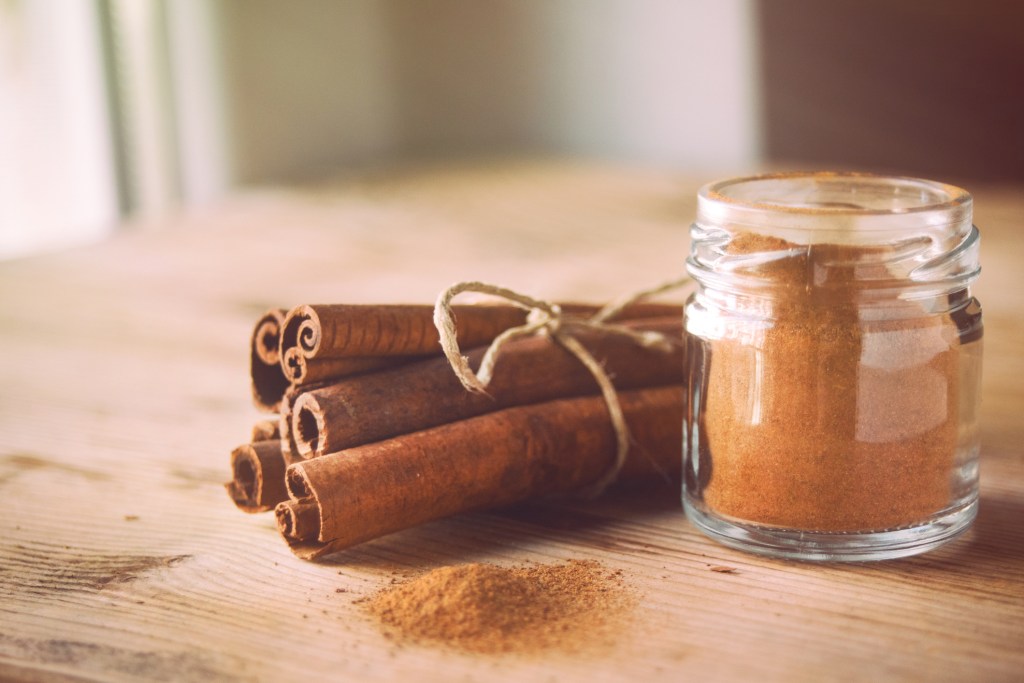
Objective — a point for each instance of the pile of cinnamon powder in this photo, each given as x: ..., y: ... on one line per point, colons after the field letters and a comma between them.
x: 490, y: 609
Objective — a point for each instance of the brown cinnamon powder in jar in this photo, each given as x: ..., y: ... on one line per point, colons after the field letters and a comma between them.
x: 489, y: 609
x: 853, y: 422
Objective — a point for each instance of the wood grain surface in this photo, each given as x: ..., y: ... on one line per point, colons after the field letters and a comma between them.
x: 123, y: 389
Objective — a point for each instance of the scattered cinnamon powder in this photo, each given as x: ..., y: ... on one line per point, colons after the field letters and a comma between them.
x: 489, y: 609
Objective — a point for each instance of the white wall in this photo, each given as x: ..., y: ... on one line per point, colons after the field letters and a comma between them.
x: 310, y: 86
x: 215, y: 93
x: 57, y: 180
x: 663, y: 81
x: 307, y: 86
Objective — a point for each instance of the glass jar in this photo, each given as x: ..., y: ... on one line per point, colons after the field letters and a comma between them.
x: 835, y: 363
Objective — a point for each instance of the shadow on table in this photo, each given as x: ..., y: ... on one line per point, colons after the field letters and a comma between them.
x: 625, y: 517
x: 995, y: 542
x: 650, y: 520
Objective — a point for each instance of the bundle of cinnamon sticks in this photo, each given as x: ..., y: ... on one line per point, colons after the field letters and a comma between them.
x: 374, y: 432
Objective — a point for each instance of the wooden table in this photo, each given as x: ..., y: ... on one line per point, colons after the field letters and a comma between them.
x: 124, y: 387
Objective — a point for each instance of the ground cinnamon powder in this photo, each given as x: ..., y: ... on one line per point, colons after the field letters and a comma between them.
x: 490, y: 609
x: 828, y: 419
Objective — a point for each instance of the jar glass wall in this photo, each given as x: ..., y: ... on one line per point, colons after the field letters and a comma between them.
x: 835, y: 354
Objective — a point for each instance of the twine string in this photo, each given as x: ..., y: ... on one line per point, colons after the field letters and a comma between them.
x: 547, y: 318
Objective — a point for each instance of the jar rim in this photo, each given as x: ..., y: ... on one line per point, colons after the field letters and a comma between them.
x: 714, y: 191
x: 869, y: 201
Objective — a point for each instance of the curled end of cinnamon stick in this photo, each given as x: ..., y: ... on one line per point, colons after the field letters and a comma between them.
x: 268, y: 380
x: 301, y: 329
x: 297, y: 519
x: 293, y: 365
x: 267, y: 337
x: 244, y: 471
x: 297, y: 486
x: 308, y: 426
x: 266, y: 430
x: 257, y: 476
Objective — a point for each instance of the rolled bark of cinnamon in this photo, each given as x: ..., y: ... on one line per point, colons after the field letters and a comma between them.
x: 344, y: 331
x: 289, y: 449
x: 557, y: 447
x: 301, y: 370
x: 268, y: 377
x: 531, y: 370
x: 297, y: 518
x: 257, y: 471
x: 266, y: 430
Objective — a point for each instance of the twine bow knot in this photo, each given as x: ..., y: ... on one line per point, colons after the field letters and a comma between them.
x: 548, y: 318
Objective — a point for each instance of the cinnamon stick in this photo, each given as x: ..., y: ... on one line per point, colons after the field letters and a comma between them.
x: 342, y: 330
x: 345, y: 331
x: 268, y: 377
x: 299, y: 369
x: 426, y: 394
x: 289, y: 449
x: 491, y: 460
x: 297, y: 519
x: 266, y: 430
x: 257, y: 471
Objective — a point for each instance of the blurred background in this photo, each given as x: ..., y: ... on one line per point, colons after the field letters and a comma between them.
x: 117, y: 109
